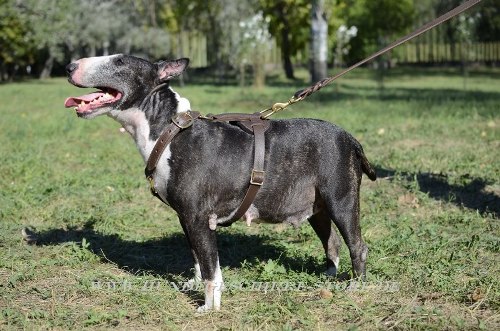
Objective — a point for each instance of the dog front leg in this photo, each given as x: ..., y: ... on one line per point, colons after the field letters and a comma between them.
x: 193, y: 282
x: 197, y: 272
x: 213, y: 291
x: 204, y: 245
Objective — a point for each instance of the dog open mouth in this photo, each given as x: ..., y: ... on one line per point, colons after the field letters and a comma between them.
x: 87, y: 103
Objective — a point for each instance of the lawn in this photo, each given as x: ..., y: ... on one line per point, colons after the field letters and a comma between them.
x: 109, y: 255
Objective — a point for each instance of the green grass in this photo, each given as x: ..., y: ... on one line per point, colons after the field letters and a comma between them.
x: 108, y: 253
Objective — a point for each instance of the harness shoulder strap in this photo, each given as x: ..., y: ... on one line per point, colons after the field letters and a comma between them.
x: 259, y: 127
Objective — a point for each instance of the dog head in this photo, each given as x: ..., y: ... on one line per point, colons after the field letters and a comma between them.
x: 122, y: 82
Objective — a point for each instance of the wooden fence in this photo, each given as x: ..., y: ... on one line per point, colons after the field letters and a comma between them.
x: 412, y: 52
x: 194, y: 46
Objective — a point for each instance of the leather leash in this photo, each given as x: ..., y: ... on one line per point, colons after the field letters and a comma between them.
x: 304, y: 93
x: 251, y: 123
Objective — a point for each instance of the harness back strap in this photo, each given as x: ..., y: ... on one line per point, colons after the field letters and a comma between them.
x: 255, y: 124
x: 257, y: 175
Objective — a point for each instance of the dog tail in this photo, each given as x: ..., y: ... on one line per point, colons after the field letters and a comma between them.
x: 367, y: 167
x: 365, y: 164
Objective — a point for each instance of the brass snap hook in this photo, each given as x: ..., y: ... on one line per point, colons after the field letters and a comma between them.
x: 278, y: 107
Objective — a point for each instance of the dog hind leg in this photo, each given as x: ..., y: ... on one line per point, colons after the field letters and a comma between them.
x: 343, y: 206
x: 347, y: 221
x: 322, y: 225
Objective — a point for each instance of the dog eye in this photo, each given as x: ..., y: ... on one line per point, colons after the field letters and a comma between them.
x: 119, y: 61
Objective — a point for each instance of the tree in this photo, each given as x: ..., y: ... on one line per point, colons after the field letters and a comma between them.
x: 143, y: 30
x: 51, y: 24
x: 289, y: 22
x: 251, y: 44
x: 488, y: 25
x: 319, y: 41
x: 378, y: 23
x: 218, y: 20
x: 15, y: 49
x: 90, y: 28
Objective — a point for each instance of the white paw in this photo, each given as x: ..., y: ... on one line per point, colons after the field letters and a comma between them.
x: 206, y: 309
x: 202, y: 309
x: 193, y: 282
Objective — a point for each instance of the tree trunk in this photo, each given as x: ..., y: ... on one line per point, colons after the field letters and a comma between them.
x: 381, y: 64
x: 319, y: 41
x: 105, y: 48
x: 180, y: 53
x: 259, y: 75
x: 92, y: 50
x: 259, y: 69
x: 242, y: 75
x: 72, y: 52
x: 47, y: 67
x: 3, y: 72
x: 13, y: 73
x: 213, y: 38
x: 285, y: 52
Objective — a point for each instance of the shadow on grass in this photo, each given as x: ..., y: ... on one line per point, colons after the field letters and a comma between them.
x: 431, y: 101
x: 170, y: 256
x: 433, y: 96
x: 471, y: 194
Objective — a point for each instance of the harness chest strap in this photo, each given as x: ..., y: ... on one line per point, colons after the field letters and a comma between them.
x: 251, y: 122
x: 179, y: 122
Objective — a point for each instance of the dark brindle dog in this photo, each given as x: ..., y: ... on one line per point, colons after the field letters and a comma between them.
x: 313, y: 168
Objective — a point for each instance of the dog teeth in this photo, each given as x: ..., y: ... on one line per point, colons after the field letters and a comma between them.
x: 82, y: 103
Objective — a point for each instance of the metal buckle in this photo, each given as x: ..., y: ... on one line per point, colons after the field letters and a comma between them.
x: 252, y: 177
x: 176, y: 120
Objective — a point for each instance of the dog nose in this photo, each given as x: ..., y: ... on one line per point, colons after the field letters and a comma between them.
x: 70, y: 68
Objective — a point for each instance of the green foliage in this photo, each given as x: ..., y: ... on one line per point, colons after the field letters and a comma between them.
x: 42, y: 32
x: 378, y: 22
x: 488, y: 25
x: 430, y: 220
x: 50, y: 23
x: 290, y: 17
x: 14, y: 46
x: 272, y: 270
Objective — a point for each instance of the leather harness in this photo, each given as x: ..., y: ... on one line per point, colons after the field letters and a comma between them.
x: 252, y: 123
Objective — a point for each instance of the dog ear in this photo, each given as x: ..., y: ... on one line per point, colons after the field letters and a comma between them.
x: 170, y: 69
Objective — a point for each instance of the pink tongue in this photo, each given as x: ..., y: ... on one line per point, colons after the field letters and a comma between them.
x: 75, y: 101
